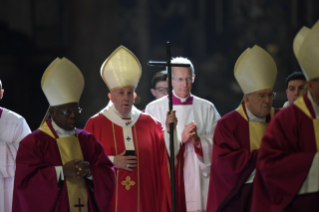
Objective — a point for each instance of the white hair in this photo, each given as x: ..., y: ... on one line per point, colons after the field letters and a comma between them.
x: 181, y: 60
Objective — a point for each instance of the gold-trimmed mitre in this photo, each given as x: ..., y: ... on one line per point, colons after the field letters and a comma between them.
x: 306, y: 49
x: 121, y: 69
x: 255, y: 70
x: 62, y: 82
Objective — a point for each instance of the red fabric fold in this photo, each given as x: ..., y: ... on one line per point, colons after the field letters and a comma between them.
x: 36, y: 187
x: 284, y: 159
x: 232, y: 164
x: 153, y: 164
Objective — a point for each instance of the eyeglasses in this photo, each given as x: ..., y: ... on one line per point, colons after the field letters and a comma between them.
x: 262, y: 96
x: 161, y: 89
x: 187, y: 80
x: 68, y: 111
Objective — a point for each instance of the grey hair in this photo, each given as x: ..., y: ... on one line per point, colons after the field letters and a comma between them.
x: 180, y: 60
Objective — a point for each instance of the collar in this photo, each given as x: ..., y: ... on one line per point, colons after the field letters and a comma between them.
x: 117, y: 118
x: 314, y: 105
x: 62, y: 132
x: 286, y: 104
x: 254, y: 118
x: 182, y: 101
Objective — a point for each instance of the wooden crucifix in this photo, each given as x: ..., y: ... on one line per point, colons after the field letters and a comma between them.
x: 169, y: 66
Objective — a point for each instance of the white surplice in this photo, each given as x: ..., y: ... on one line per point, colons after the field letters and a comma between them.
x: 13, y: 128
x: 196, y: 168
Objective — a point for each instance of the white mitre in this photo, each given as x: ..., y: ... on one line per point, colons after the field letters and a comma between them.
x: 121, y: 69
x: 306, y: 49
x: 255, y: 70
x: 62, y: 82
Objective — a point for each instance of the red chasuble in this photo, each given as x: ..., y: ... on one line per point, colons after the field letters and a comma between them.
x: 36, y: 187
x: 147, y: 187
x: 233, y: 160
x: 284, y: 159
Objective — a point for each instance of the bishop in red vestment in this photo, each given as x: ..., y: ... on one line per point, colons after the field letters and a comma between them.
x: 58, y: 167
x: 238, y: 134
x: 287, y: 170
x: 36, y: 187
x: 134, y: 141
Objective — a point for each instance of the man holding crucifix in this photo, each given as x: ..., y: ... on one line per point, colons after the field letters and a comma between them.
x: 61, y: 168
x: 197, y: 119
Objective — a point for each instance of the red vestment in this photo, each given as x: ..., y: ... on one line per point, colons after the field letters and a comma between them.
x: 36, y: 186
x: 285, y: 156
x: 147, y: 187
x: 232, y: 163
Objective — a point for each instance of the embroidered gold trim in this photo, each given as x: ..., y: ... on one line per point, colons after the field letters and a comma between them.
x: 256, y: 132
x: 138, y: 171
x: 117, y: 171
x: 241, y: 111
x: 46, y: 129
x: 70, y: 149
x: 301, y: 104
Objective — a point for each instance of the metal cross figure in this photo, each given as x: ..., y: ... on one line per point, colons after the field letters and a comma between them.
x: 79, y: 205
x: 169, y: 66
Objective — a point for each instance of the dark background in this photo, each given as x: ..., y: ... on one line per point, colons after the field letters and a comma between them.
x: 211, y: 33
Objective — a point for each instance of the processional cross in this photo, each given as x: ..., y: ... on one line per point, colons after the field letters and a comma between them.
x: 79, y: 205
x: 169, y: 66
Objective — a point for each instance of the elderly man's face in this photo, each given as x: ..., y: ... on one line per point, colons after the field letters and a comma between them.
x: 65, y: 116
x: 123, y: 99
x: 295, y: 87
x: 259, y: 103
x: 182, y: 81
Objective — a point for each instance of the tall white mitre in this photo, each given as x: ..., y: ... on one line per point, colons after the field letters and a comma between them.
x: 306, y: 49
x: 121, y: 69
x: 62, y: 82
x: 255, y: 70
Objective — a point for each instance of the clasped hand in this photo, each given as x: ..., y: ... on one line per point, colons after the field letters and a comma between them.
x: 77, y: 168
x: 190, y: 134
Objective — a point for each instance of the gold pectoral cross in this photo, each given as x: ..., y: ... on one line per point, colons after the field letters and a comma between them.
x: 128, y: 183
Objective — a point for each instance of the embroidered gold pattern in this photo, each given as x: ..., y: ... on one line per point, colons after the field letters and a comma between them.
x: 128, y: 183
